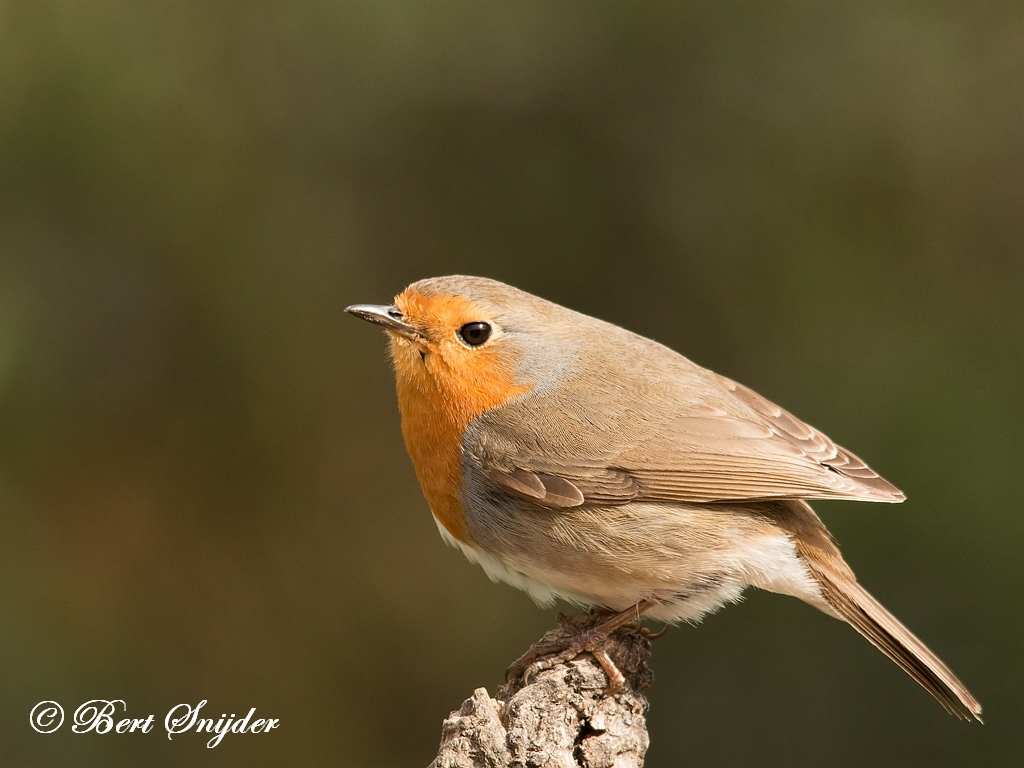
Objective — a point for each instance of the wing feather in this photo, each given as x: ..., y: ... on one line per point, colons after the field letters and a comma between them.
x: 546, y: 490
x: 709, y: 440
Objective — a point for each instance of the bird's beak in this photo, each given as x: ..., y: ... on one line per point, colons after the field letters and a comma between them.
x: 388, y: 316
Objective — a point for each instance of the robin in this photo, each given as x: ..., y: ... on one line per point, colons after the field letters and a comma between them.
x: 574, y: 459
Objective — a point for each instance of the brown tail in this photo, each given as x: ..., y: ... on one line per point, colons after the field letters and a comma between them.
x: 851, y: 601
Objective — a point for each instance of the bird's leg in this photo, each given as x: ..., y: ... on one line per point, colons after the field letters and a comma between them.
x: 548, y: 646
x: 549, y: 653
x: 634, y: 625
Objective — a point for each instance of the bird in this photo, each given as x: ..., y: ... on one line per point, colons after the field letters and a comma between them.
x: 577, y: 460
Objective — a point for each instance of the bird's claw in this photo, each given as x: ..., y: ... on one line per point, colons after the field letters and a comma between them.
x: 590, y: 638
x: 547, y: 655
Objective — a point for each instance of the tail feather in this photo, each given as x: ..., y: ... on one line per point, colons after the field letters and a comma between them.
x: 844, y: 596
x: 865, y: 614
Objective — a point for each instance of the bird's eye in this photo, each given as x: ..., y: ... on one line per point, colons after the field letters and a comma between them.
x: 475, y: 334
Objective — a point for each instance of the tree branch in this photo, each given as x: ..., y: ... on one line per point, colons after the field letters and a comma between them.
x: 562, y: 719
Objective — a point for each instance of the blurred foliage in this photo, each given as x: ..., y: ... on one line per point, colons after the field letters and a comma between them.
x: 203, y: 489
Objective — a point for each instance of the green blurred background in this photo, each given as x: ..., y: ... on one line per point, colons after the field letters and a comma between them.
x: 203, y: 489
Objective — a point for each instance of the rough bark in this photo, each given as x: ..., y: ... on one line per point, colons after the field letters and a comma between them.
x: 562, y: 719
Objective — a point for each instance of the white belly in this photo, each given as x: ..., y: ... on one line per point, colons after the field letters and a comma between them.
x: 768, y: 561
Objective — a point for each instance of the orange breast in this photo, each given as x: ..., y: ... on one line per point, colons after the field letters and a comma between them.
x: 439, y: 394
x: 433, y: 438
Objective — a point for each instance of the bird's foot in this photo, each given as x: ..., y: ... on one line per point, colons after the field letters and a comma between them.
x: 549, y: 653
x: 581, y: 634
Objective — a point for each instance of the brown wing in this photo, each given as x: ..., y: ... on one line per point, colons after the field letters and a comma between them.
x: 733, y: 446
x: 546, y: 490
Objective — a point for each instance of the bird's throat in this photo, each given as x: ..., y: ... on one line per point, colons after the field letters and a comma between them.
x: 437, y: 404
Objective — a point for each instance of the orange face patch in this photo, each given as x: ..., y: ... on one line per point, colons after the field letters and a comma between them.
x: 443, y: 384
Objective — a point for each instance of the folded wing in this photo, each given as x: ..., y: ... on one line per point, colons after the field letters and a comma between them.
x: 734, y: 446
